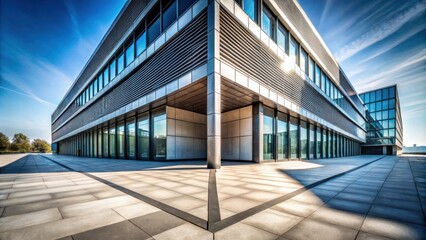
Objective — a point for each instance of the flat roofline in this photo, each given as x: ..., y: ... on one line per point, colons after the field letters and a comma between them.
x: 393, y: 85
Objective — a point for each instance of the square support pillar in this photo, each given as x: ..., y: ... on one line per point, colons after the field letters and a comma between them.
x: 213, y: 121
x: 258, y: 132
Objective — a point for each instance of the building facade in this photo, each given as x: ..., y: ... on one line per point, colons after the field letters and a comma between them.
x: 246, y: 80
x: 384, y: 122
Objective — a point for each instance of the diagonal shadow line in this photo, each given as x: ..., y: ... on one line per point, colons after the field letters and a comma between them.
x: 176, y: 212
x: 213, y: 201
x: 249, y: 212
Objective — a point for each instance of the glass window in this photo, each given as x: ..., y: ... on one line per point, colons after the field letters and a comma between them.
x: 95, y: 87
x: 153, y: 21
x: 385, y: 104
x: 367, y: 98
x: 294, y: 137
x: 140, y: 44
x: 143, y: 136
x: 282, y: 136
x: 112, y: 69
x: 379, y: 116
x: 317, y: 75
x: 372, y: 97
x: 378, y: 106
x: 184, y: 5
x: 303, y: 139
x: 105, y: 142
x: 391, y: 132
x: 329, y: 142
x: 120, y: 140
x: 379, y: 95
x: 99, y: 142
x: 268, y: 22
x: 385, y: 93
x: 327, y: 87
x: 100, y: 82
x: 131, y: 138
x: 303, y: 60
x: 311, y: 141
x: 159, y: 122
x: 250, y: 7
x: 392, y: 103
x: 324, y: 143
x: 372, y: 107
x: 282, y: 37
x: 392, y: 123
x: 311, y: 69
x: 130, y: 54
x: 120, y: 63
x: 268, y: 136
x: 392, y: 113
x: 91, y: 90
x: 106, y: 76
x: 112, y: 141
x: 323, y: 77
x: 392, y: 92
x: 318, y: 145
x: 385, y: 114
x: 169, y: 13
x: 293, y: 50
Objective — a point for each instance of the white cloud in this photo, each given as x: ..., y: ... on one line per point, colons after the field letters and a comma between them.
x: 380, y: 32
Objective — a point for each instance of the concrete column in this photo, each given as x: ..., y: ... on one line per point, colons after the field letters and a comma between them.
x: 213, y: 88
x: 258, y: 132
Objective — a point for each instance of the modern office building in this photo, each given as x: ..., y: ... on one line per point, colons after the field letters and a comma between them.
x: 246, y: 80
x: 384, y: 122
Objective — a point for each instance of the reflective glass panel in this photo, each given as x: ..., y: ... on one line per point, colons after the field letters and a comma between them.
x: 282, y: 37
x: 184, y: 5
x: 303, y: 139
x: 131, y: 138
x: 303, y: 61
x: 268, y: 22
x: 392, y: 92
x: 112, y: 141
x: 318, y: 145
x: 143, y: 136
x: 311, y: 69
x: 120, y: 63
x: 294, y: 138
x: 268, y: 137
x: 317, y: 76
x: 169, y: 14
x: 141, y: 44
x: 250, y: 7
x: 106, y: 76
x: 130, y: 54
x: 99, y: 142
x: 112, y: 69
x: 160, y: 135
x: 120, y: 140
x: 100, y: 82
x: 293, y: 50
x: 153, y: 31
x: 282, y: 137
x: 105, y: 142
x: 311, y: 141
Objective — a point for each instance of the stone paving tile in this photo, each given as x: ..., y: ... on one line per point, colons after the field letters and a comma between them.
x: 369, y: 236
x: 23, y: 200
x: 297, y: 208
x: 338, y: 217
x: 29, y: 219
x: 157, y: 222
x: 116, y: 231
x: 310, y: 229
x: 238, y: 204
x: 393, y: 229
x: 243, y: 231
x: 135, y: 210
x: 185, y: 231
x: 398, y: 214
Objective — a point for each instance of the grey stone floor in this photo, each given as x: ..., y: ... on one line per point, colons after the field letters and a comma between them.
x: 361, y: 197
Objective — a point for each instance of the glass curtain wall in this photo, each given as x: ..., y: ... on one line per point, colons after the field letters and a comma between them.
x: 282, y: 136
x: 105, y: 142
x: 159, y: 123
x: 311, y: 141
x: 303, y: 140
x: 131, y: 138
x: 268, y: 134
x: 324, y: 143
x: 143, y: 136
x: 318, y: 146
x: 294, y: 138
x: 112, y: 141
x: 99, y: 142
x: 120, y: 140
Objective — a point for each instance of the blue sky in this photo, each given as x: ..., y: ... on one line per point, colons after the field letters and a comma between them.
x: 44, y: 45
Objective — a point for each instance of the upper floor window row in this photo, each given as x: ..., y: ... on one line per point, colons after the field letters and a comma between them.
x: 158, y: 19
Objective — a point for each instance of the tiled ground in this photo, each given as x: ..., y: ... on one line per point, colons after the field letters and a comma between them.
x: 117, y: 199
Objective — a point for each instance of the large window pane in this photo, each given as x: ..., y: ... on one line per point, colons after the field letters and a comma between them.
x: 99, y: 142
x: 294, y: 139
x: 169, y: 13
x: 130, y: 54
x: 268, y: 22
x: 323, y: 77
x: 317, y: 76
x: 318, y: 146
x: 120, y: 140
x: 105, y: 142
x: 311, y: 141
x: 95, y: 86
x: 303, y: 61
x: 141, y: 44
x: 282, y: 37
x: 184, y: 5
x: 293, y: 50
x: 282, y: 136
x: 143, y: 136
x: 100, y: 82
x: 311, y: 69
x: 112, y: 69
x: 268, y: 136
x: 131, y: 138
x: 324, y: 143
x: 112, y: 141
x: 160, y: 135
x: 120, y: 63
x: 106, y: 76
x: 303, y: 139
x: 250, y: 7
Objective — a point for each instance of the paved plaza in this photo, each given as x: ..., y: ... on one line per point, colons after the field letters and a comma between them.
x: 360, y: 197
